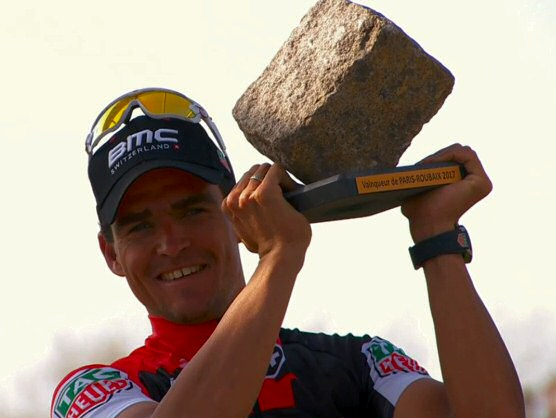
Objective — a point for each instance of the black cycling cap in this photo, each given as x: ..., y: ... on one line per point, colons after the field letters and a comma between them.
x: 145, y: 144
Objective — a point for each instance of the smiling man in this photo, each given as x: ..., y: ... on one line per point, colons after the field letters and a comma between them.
x: 189, y: 276
x: 172, y: 218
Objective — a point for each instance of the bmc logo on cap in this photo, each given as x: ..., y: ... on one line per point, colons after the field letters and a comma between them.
x: 141, y: 141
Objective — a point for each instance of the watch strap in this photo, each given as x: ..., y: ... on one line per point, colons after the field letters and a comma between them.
x: 450, y: 242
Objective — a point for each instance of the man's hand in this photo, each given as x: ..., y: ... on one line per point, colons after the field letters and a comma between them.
x: 262, y: 218
x: 437, y: 211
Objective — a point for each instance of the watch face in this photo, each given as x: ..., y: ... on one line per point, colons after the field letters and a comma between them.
x: 465, y: 243
x: 462, y: 240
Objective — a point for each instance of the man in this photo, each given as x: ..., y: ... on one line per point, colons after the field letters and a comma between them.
x: 171, y: 219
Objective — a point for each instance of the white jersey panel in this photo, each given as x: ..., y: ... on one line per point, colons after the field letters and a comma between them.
x: 96, y: 392
x: 392, y: 371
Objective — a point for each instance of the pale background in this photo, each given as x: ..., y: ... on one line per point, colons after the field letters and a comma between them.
x: 62, y: 61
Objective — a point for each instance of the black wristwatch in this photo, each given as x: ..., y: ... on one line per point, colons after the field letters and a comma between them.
x: 451, y: 242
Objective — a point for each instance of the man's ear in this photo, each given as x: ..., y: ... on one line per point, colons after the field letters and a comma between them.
x: 110, y: 256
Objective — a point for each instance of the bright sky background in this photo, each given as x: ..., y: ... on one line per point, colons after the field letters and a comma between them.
x: 62, y: 61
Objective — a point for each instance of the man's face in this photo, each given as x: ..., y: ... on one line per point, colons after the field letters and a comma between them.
x: 176, y: 248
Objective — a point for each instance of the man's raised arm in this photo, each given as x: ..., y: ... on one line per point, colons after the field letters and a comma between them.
x: 479, y: 376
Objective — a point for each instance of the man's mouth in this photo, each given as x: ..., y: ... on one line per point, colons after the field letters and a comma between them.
x: 181, y: 273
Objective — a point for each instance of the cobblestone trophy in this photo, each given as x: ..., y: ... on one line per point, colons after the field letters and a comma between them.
x: 339, y: 104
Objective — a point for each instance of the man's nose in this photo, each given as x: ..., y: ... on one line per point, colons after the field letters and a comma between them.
x: 173, y: 239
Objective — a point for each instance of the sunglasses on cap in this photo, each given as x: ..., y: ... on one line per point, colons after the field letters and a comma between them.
x: 157, y: 103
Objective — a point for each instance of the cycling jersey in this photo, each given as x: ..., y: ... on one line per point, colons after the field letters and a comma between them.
x: 309, y: 375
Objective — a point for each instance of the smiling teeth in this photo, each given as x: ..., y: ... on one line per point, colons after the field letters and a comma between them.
x: 176, y: 274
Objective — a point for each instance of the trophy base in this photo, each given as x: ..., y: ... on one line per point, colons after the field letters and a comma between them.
x: 365, y: 193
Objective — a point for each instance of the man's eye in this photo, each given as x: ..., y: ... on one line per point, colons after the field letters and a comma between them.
x: 142, y: 226
x: 194, y: 210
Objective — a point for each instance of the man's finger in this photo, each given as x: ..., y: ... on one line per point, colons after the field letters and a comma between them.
x: 278, y: 175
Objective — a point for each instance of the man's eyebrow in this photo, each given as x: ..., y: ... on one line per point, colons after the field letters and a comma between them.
x: 194, y: 200
x: 131, y: 218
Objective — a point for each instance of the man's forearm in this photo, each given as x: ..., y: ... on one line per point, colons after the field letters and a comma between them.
x: 478, y: 372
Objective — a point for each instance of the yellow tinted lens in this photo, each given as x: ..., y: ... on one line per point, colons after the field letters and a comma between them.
x: 111, y: 116
x: 166, y: 103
